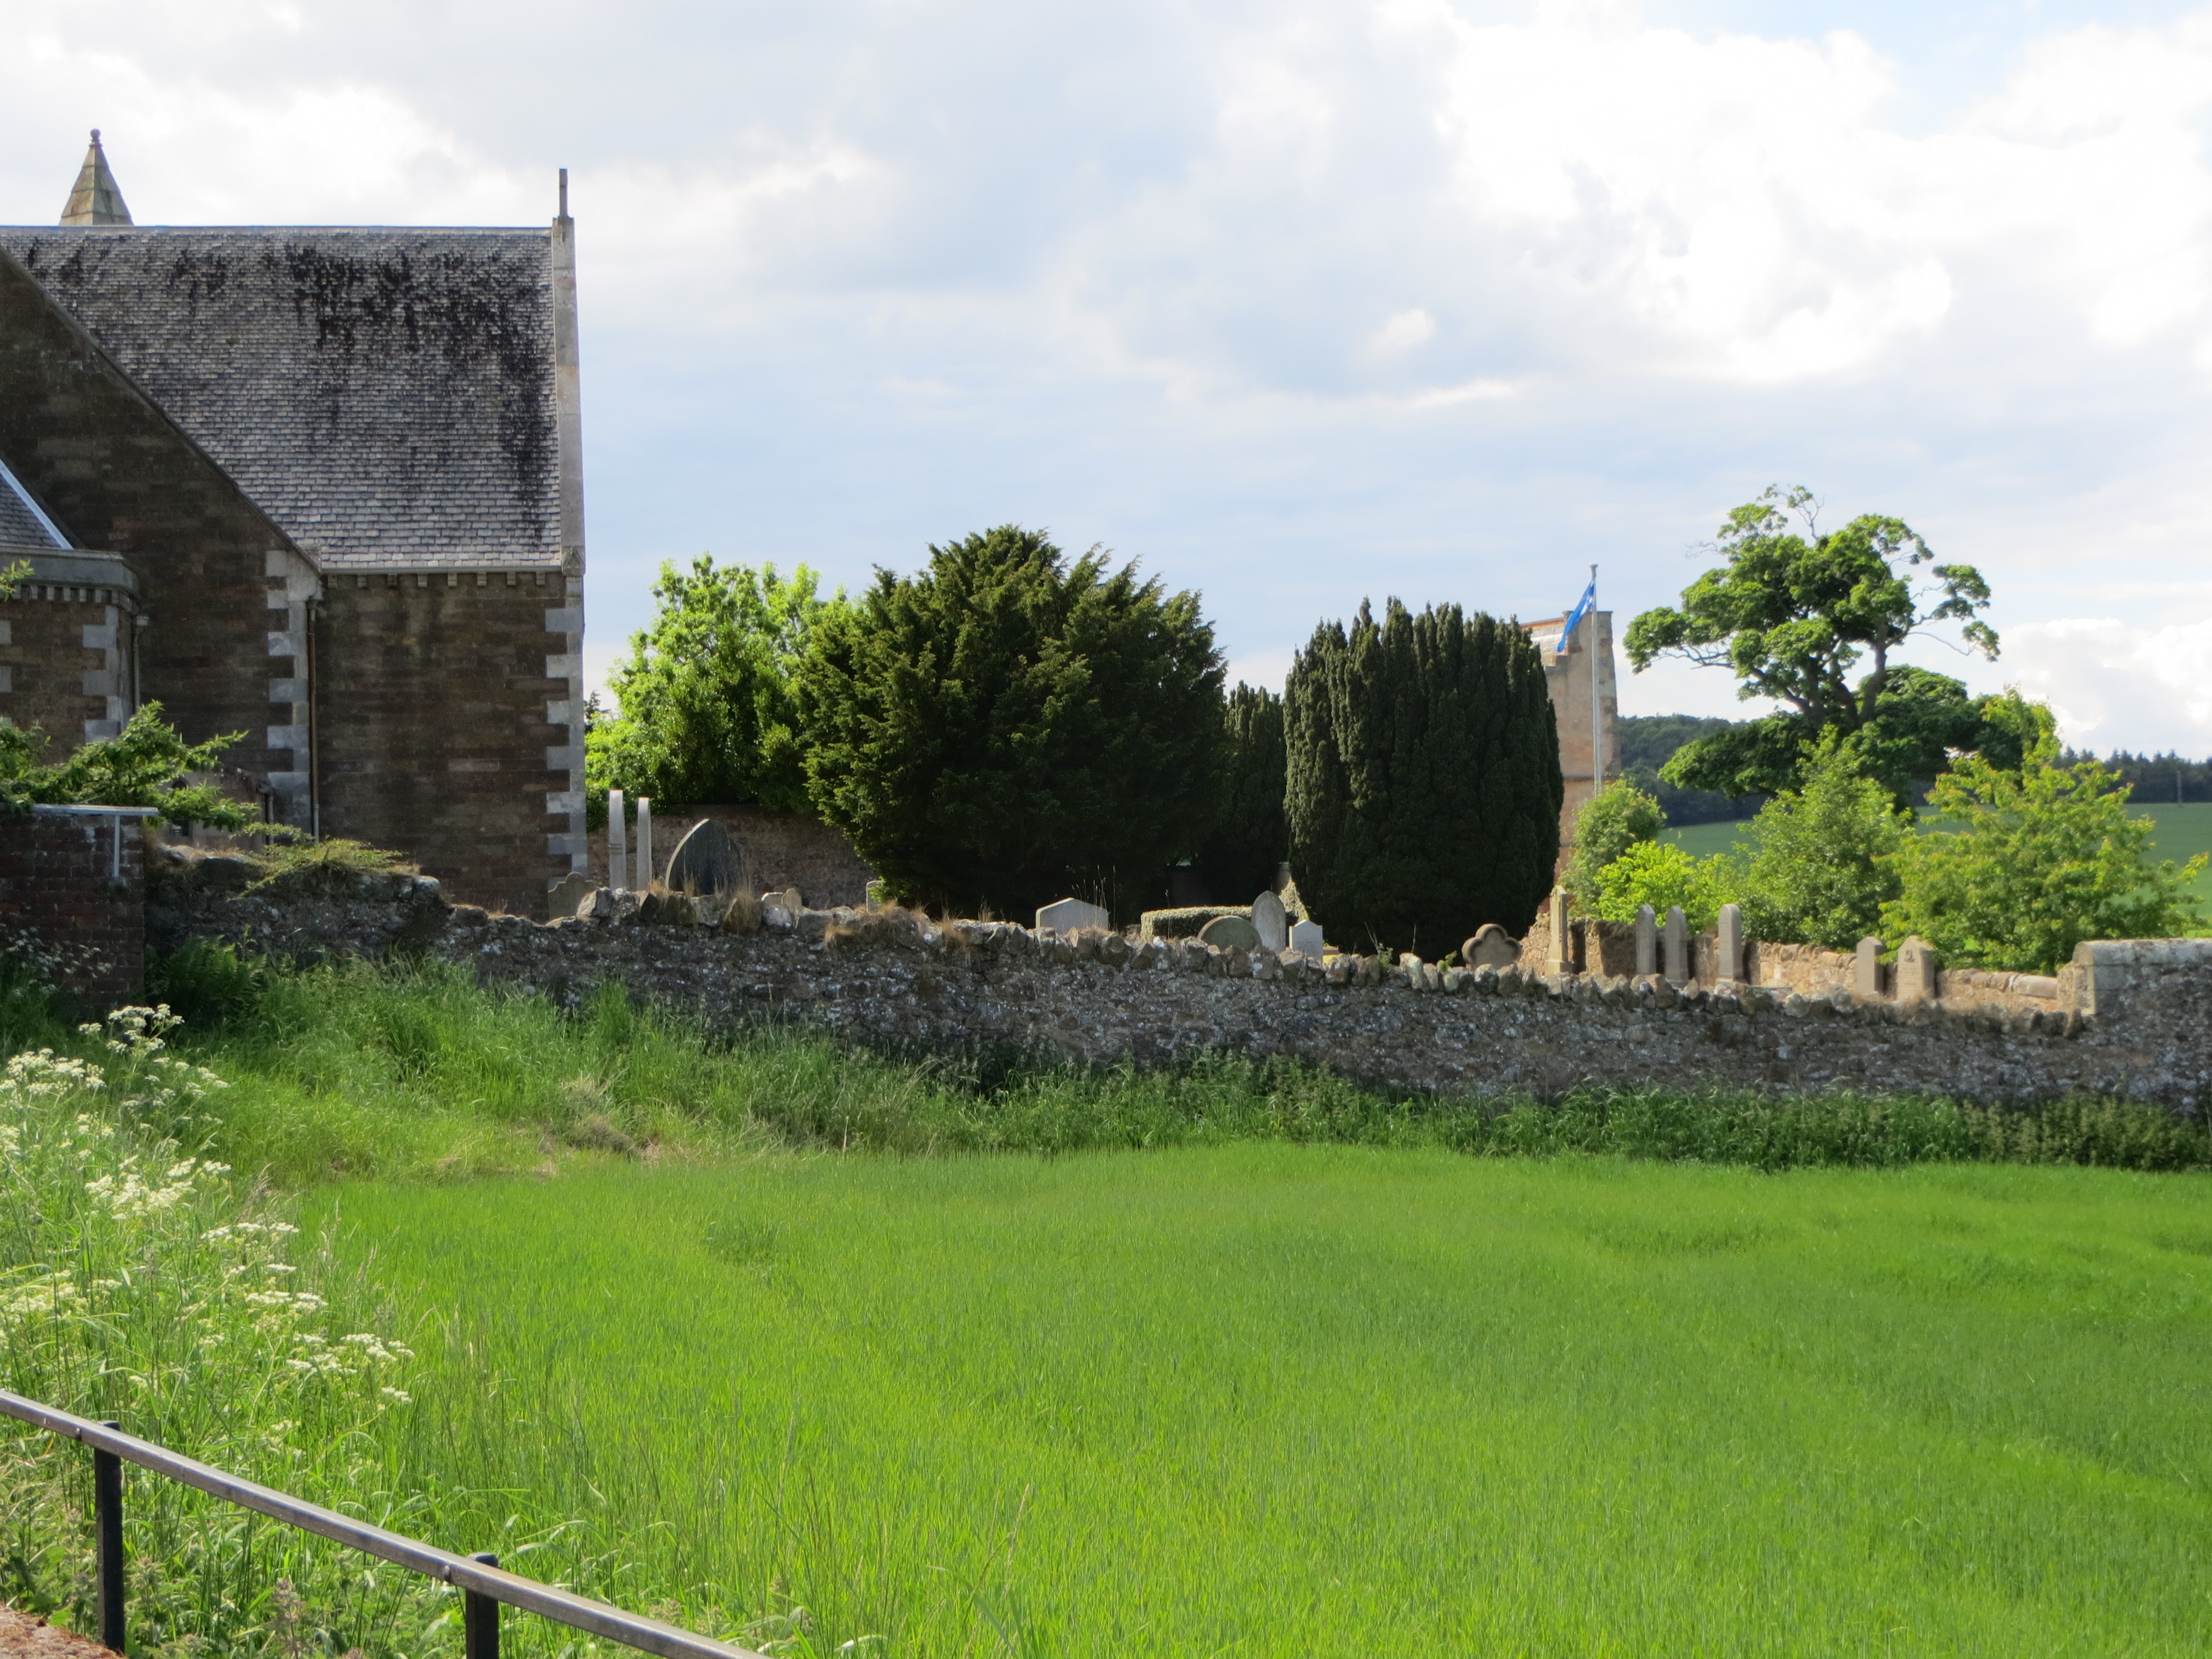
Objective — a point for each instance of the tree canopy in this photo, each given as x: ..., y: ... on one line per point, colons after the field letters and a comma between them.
x: 1422, y: 777
x: 1012, y: 726
x: 707, y: 708
x: 1249, y: 838
x: 1795, y: 614
x: 147, y: 763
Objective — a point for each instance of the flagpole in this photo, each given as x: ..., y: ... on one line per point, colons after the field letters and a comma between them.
x: 1597, y: 707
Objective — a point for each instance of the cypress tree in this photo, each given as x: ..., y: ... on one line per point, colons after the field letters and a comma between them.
x: 1422, y: 777
x: 1251, y: 836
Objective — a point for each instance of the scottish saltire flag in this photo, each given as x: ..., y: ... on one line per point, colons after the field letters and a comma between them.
x: 1575, y: 617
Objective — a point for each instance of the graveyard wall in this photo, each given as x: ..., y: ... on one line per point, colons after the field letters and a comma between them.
x: 777, y: 850
x: 2136, y: 1020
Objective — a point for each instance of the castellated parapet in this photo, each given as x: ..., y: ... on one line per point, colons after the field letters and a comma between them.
x: 2127, y: 1018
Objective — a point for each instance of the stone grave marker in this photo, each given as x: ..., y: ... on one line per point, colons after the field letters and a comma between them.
x: 1865, y: 983
x: 1731, y: 943
x: 1916, y: 971
x: 1491, y: 947
x: 1271, y: 922
x: 1678, y: 945
x: 1560, y: 958
x: 1230, y: 934
x: 1306, y: 939
x: 1071, y: 915
x: 1647, y: 941
x: 566, y: 894
x: 706, y: 862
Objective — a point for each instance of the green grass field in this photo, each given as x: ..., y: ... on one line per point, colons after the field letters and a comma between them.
x: 2183, y: 833
x: 1270, y: 1398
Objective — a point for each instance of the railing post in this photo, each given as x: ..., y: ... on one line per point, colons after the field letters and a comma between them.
x: 480, y: 1618
x: 107, y: 1521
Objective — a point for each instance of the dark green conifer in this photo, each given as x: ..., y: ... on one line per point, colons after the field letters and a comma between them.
x: 1422, y: 774
x: 1251, y: 836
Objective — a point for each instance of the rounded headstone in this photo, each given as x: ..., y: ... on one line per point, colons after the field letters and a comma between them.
x: 1271, y: 922
x: 706, y: 861
x: 1230, y: 934
x: 1492, y: 946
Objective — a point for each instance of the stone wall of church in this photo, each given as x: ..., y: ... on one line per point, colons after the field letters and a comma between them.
x: 64, y: 656
x: 441, y: 723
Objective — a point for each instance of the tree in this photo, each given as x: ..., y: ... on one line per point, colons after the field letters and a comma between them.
x: 1819, y: 872
x: 1423, y: 785
x: 146, y: 764
x: 1662, y: 875
x: 1793, y: 616
x: 1251, y: 837
x: 707, y: 705
x: 2041, y: 858
x: 1012, y: 726
x: 1616, y: 819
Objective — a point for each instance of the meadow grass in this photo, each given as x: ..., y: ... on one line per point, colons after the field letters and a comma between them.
x: 1268, y: 1398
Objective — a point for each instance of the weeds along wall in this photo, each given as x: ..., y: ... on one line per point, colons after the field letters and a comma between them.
x: 2136, y: 1020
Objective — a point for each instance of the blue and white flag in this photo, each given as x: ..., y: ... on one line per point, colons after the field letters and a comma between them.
x: 1575, y: 617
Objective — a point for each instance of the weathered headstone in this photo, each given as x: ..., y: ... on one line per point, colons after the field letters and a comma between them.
x: 1306, y: 939
x: 1071, y: 915
x: 787, y: 900
x: 618, y: 841
x: 1230, y: 934
x: 644, y: 842
x: 566, y: 894
x: 1678, y: 945
x: 706, y: 862
x: 1731, y: 943
x: 1271, y: 922
x: 1866, y: 984
x: 1492, y: 946
x: 1915, y: 972
x: 1559, y: 957
x: 1647, y: 941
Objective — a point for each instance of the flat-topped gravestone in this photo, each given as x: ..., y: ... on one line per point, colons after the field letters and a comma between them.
x: 1491, y: 947
x: 1647, y: 941
x: 566, y: 894
x: 1230, y: 934
x: 1678, y: 945
x: 1071, y: 915
x: 1729, y: 938
x: 1915, y: 972
x: 706, y: 862
x: 1305, y: 938
x: 1271, y: 922
x: 1866, y: 963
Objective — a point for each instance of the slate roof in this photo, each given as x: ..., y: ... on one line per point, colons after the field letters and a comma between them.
x: 386, y: 396
x: 21, y: 523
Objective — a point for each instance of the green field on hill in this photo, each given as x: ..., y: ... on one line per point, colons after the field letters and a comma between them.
x: 2183, y: 831
x: 1277, y: 1399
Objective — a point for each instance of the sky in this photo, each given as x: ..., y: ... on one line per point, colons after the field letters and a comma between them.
x: 1296, y: 303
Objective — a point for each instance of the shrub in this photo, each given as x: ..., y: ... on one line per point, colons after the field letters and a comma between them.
x: 1819, y: 871
x: 145, y: 764
x: 1012, y: 726
x: 1616, y: 819
x: 1422, y: 765
x: 1660, y: 875
x: 2042, y: 858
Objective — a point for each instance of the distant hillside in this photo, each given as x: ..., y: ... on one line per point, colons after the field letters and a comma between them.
x: 1649, y: 741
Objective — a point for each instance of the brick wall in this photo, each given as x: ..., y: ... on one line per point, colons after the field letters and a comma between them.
x: 65, y: 882
x: 434, y: 717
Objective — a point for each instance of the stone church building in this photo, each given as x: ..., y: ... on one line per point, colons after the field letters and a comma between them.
x: 324, y: 487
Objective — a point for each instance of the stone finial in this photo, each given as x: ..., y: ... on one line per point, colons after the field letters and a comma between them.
x: 96, y: 199
x: 1559, y: 957
x: 1647, y: 941
x: 1731, y: 943
x: 1915, y: 972
x: 1866, y: 968
x: 1678, y: 945
x: 1271, y: 921
x: 1071, y: 915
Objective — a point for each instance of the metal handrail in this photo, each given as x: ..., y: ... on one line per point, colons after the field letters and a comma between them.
x: 484, y: 1583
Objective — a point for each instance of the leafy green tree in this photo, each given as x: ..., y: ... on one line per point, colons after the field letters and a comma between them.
x: 1819, y: 871
x: 1616, y: 819
x: 1794, y: 616
x: 1251, y: 837
x: 1012, y: 726
x: 708, y: 712
x: 1423, y: 785
x: 2037, y: 859
x: 144, y: 764
x: 1662, y: 875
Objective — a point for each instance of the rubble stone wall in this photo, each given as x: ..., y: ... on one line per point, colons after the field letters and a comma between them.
x: 2135, y: 1021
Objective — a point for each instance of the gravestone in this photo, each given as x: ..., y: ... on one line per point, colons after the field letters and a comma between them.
x: 1491, y: 947
x: 1271, y: 922
x: 1305, y: 938
x: 787, y: 900
x: 566, y: 894
x: 1230, y: 934
x: 1678, y: 945
x: 1647, y: 941
x: 618, y: 841
x: 1731, y: 943
x: 1915, y: 972
x: 1071, y: 916
x: 706, y: 862
x: 644, y: 842
x: 1559, y: 957
x: 1866, y: 984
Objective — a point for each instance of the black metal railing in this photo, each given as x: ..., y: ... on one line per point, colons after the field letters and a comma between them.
x: 484, y: 1585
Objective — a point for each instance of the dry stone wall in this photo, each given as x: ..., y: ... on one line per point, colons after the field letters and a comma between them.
x: 2133, y: 1022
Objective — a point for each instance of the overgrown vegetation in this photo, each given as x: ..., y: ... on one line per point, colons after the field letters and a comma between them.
x: 145, y: 764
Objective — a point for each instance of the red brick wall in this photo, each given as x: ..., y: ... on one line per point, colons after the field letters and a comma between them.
x: 57, y: 884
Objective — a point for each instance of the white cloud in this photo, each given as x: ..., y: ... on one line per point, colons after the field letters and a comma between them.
x: 2116, y: 684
